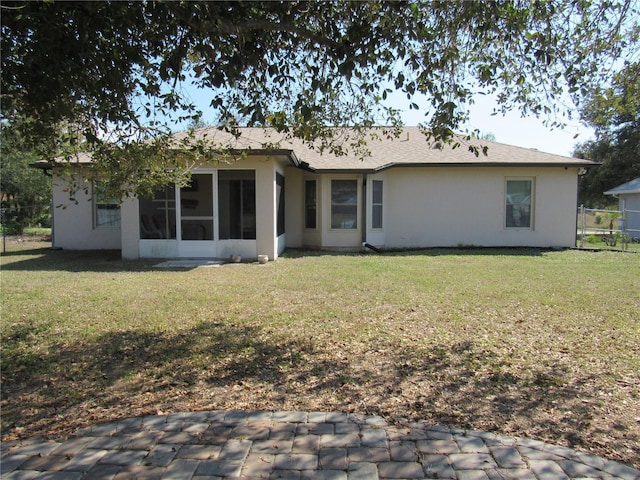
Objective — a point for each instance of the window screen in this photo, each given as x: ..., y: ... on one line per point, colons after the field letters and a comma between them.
x: 344, y: 204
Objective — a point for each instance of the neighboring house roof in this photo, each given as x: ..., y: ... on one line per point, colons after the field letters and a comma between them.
x: 630, y: 187
x: 411, y: 148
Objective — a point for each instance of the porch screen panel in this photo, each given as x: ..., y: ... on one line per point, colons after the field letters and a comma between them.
x: 280, y: 203
x: 158, y: 214
x: 237, y: 204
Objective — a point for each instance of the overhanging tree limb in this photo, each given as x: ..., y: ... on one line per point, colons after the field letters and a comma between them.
x: 298, y: 67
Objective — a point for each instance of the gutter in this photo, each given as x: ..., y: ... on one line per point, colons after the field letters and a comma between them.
x: 382, y: 168
x: 486, y: 164
x: 43, y: 165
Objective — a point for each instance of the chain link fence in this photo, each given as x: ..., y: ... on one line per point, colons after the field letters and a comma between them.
x: 608, y: 229
x: 15, y: 220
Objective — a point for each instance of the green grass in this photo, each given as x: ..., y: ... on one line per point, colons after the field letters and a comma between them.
x: 32, y: 231
x: 37, y: 231
x: 526, y: 342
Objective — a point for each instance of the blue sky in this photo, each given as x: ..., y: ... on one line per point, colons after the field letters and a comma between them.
x: 528, y: 132
x: 512, y: 129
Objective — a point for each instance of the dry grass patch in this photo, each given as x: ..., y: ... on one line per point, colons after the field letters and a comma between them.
x: 523, y: 342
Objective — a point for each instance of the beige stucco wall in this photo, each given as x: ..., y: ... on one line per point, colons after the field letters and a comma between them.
x: 430, y: 207
x: 323, y: 236
x: 423, y: 207
x: 73, y: 222
x: 294, y: 206
x: 266, y: 243
x: 442, y: 206
x: 129, y: 221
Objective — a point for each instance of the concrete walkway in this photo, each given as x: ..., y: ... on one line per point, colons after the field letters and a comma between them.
x: 294, y: 445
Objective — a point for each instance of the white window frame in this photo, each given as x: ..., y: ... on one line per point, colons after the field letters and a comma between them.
x: 113, y: 205
x: 380, y: 204
x: 506, y: 203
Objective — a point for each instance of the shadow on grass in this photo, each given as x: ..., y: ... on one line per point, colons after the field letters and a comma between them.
x: 125, y: 373
x: 216, y: 365
x: 424, y: 252
x: 46, y: 259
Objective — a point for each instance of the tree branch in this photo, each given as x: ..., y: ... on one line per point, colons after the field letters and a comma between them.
x: 266, y: 25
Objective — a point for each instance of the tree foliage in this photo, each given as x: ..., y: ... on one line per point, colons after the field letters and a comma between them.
x: 113, y: 71
x: 614, y: 112
x: 25, y: 193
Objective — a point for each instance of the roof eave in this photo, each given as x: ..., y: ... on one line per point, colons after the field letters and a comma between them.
x: 389, y: 166
x: 41, y: 165
x: 621, y: 192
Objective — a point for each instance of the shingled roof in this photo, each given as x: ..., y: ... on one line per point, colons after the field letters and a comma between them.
x: 411, y: 148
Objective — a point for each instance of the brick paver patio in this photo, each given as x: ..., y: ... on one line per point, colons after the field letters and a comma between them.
x: 294, y: 445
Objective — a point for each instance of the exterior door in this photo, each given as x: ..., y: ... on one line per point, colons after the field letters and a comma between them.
x: 197, y: 222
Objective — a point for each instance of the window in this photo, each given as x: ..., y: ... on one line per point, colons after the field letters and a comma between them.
x: 237, y: 204
x: 106, y: 210
x: 158, y: 214
x: 344, y: 204
x: 310, y: 204
x: 519, y: 203
x: 280, y: 203
x: 376, y: 204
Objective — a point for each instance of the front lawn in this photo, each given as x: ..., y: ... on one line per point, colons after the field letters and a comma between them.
x: 523, y: 342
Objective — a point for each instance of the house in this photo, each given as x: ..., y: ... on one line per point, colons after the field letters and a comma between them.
x: 628, y: 195
x: 408, y: 193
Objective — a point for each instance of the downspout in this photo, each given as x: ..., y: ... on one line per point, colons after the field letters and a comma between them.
x: 366, y: 244
x: 364, y: 210
x: 579, y: 212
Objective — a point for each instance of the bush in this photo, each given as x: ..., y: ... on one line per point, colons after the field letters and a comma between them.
x: 14, y: 220
x: 594, y: 239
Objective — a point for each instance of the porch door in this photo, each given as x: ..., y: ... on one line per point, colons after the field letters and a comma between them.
x: 197, y: 216
x: 237, y: 204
